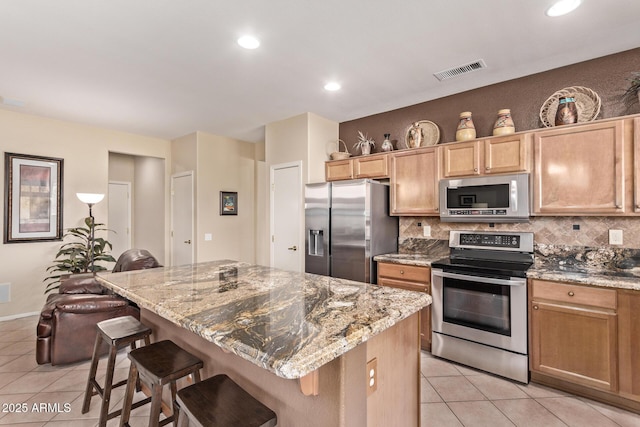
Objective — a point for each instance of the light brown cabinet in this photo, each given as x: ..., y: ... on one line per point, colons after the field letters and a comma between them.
x: 629, y: 343
x: 580, y: 169
x: 413, y: 278
x: 573, y: 334
x: 337, y: 170
x: 504, y: 154
x: 414, y: 178
x: 636, y: 164
x: 372, y: 166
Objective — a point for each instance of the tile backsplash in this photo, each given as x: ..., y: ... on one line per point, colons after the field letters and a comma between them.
x: 592, y: 232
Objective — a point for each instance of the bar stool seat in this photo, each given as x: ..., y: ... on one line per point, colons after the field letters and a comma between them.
x: 117, y: 333
x: 155, y: 365
x: 220, y: 402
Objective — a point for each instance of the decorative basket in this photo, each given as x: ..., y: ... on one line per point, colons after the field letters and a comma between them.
x: 340, y: 155
x: 587, y: 102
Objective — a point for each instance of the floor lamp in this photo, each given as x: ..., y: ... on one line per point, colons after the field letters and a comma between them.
x: 90, y: 199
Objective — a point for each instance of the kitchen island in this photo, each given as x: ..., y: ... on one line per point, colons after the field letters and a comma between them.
x: 302, y: 344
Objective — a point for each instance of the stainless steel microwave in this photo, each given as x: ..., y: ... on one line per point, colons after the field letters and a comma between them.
x: 500, y: 198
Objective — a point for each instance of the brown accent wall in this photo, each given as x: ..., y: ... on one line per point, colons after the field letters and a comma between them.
x: 607, y: 76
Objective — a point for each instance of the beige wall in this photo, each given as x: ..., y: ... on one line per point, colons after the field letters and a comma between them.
x: 85, y: 151
x: 306, y: 138
x: 149, y: 216
x: 225, y: 164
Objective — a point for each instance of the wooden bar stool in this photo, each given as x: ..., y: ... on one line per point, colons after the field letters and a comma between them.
x: 118, y: 332
x: 220, y: 402
x: 155, y: 365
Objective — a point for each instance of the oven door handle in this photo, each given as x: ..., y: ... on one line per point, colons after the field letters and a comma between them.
x: 489, y: 280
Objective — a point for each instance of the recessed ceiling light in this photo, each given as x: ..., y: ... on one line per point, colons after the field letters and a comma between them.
x: 332, y: 86
x: 248, y: 42
x: 563, y: 7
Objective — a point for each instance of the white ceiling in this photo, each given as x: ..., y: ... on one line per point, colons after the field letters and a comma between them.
x: 167, y: 68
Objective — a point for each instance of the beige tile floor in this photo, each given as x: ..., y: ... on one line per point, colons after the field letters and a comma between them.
x: 452, y: 395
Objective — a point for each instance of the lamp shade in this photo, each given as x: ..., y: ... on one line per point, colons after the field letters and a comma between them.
x: 90, y: 198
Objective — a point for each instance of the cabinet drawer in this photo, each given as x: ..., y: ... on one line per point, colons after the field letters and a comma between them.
x: 574, y: 294
x: 401, y: 284
x: 405, y: 272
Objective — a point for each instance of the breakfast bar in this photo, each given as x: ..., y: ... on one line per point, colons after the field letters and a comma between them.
x: 317, y: 350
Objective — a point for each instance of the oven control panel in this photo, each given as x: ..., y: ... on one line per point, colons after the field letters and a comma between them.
x: 490, y: 240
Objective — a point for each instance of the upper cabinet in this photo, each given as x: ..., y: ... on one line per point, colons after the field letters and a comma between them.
x: 414, y: 178
x: 337, y: 170
x: 580, y: 169
x: 504, y: 154
x: 636, y: 165
x: 372, y: 166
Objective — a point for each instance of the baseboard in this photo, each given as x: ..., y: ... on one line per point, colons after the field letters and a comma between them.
x: 19, y: 316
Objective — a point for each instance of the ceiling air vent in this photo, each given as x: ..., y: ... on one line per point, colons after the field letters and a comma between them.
x: 462, y: 69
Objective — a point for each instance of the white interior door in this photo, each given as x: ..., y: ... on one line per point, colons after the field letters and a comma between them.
x: 286, y: 216
x: 182, y: 242
x: 119, y: 215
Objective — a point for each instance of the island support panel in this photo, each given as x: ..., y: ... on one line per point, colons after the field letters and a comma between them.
x: 342, y: 383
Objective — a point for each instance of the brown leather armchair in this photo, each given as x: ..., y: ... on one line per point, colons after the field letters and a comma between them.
x: 67, y: 328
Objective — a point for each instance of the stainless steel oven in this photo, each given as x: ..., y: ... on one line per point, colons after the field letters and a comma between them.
x: 479, y: 309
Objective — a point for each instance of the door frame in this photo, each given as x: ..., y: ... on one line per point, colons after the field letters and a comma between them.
x: 300, y: 243
x: 193, y: 219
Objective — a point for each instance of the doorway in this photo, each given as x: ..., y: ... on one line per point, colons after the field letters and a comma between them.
x: 286, y: 216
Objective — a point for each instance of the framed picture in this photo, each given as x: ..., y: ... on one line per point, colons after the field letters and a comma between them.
x: 228, y: 203
x: 33, y: 198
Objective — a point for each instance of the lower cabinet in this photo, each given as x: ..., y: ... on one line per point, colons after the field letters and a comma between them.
x: 412, y: 278
x: 584, y: 340
x: 629, y: 343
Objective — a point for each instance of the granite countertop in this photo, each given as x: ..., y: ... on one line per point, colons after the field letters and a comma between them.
x: 420, y: 252
x: 288, y: 323
x: 605, y: 267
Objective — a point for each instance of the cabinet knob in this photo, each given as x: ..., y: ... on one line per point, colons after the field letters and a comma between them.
x: 487, y: 168
x: 535, y: 307
x: 570, y: 293
x: 475, y: 169
x: 618, y: 206
x: 401, y: 271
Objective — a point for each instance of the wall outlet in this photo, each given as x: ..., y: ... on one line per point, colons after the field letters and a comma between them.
x: 5, y: 292
x: 208, y: 236
x: 426, y: 231
x: 372, y: 376
x: 615, y: 237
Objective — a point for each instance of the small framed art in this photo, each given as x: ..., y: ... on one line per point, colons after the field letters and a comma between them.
x: 228, y: 203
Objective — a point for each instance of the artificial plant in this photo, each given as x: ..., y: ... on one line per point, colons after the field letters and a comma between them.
x: 75, y: 255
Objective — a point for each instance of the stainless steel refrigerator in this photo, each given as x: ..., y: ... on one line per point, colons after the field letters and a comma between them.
x: 347, y: 223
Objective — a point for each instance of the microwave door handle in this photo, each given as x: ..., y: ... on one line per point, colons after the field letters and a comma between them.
x: 514, y: 195
x: 489, y: 280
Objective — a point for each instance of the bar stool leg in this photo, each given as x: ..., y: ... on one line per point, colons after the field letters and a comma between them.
x: 156, y: 404
x: 88, y: 394
x: 106, y: 398
x: 128, y: 396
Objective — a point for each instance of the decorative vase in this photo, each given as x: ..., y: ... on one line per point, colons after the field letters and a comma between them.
x: 466, y: 129
x: 366, y: 149
x: 504, y: 123
x: 386, y: 144
x: 567, y: 112
x: 416, y: 135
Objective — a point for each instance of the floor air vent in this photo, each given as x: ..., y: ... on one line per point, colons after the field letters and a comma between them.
x: 462, y: 69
